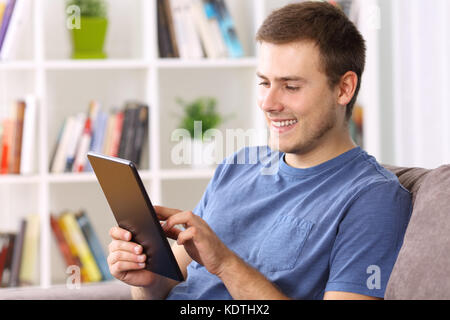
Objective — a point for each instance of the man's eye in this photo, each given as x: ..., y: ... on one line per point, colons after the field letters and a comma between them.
x: 290, y: 88
x: 264, y: 84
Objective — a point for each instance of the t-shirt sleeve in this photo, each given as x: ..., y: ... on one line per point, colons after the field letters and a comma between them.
x: 369, y: 239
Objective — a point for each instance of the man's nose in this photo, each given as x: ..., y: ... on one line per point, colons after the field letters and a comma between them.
x: 271, y: 101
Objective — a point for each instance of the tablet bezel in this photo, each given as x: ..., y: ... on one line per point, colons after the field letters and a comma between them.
x: 96, y: 159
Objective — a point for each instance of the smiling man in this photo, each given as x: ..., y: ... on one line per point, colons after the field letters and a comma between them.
x: 327, y: 225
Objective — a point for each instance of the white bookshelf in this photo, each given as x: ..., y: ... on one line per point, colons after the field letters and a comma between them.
x: 133, y: 70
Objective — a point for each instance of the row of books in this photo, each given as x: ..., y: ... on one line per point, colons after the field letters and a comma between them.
x: 120, y: 133
x: 195, y: 29
x: 76, y: 239
x: 80, y: 246
x: 18, y: 254
x: 17, y: 138
x: 12, y: 20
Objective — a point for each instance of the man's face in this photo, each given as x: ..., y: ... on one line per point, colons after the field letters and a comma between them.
x: 300, y: 108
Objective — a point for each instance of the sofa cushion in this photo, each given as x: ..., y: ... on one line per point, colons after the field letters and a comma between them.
x: 423, y: 264
x: 108, y: 290
x: 410, y: 178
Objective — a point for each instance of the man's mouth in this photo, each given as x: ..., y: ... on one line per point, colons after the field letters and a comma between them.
x: 281, y: 126
x: 284, y: 123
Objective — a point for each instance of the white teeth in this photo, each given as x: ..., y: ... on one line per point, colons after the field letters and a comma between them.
x: 284, y: 123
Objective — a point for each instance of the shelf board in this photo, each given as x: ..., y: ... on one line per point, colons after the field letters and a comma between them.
x: 84, y: 177
x: 18, y: 179
x: 169, y: 174
x: 175, y: 63
x: 111, y: 64
x: 179, y: 174
x: 68, y: 64
x: 17, y: 65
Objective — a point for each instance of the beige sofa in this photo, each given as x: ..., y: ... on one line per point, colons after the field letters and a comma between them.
x: 422, y: 270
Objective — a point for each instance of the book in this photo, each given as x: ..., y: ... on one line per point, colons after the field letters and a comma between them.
x: 1, y: 141
x: 94, y: 244
x: 15, y: 31
x: 98, y: 136
x: 171, y: 28
x: 85, y: 139
x: 188, y: 43
x: 116, y: 133
x: 6, y: 274
x: 69, y: 257
x: 17, y: 138
x: 127, y: 130
x: 83, y: 147
x: 9, y: 9
x: 2, y: 10
x: 130, y: 130
x: 3, y: 253
x: 29, y: 267
x: 73, y: 249
x: 74, y: 139
x: 79, y: 246
x: 141, y: 129
x: 108, y: 134
x: 27, y: 153
x: 165, y: 47
x: 207, y: 35
x: 59, y: 160
x: 17, y: 255
x: 228, y: 29
x: 213, y: 25
x: 6, y: 145
x: 189, y: 30
x: 16, y: 147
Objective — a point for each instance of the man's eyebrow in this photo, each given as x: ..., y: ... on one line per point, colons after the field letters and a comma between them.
x: 281, y: 79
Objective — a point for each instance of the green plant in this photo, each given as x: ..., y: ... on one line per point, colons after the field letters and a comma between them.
x: 201, y: 109
x: 90, y: 8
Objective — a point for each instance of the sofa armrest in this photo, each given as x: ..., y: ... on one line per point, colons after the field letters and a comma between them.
x: 108, y: 290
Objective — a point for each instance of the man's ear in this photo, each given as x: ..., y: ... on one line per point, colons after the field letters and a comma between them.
x: 347, y: 87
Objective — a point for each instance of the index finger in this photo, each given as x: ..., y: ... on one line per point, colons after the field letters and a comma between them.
x: 163, y: 212
x: 118, y: 233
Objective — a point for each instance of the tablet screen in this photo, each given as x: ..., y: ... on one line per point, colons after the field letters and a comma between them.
x: 133, y: 211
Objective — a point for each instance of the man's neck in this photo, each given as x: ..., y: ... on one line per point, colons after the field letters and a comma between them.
x: 321, y: 153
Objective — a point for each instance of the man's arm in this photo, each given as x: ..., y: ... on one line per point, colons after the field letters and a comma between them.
x: 246, y: 283
x: 340, y: 295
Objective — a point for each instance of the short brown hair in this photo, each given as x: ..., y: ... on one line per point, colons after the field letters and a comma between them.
x: 340, y: 44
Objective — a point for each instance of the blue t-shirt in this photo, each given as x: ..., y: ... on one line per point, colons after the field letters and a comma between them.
x: 337, y: 226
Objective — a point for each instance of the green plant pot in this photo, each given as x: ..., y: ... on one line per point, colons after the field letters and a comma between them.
x: 89, y: 40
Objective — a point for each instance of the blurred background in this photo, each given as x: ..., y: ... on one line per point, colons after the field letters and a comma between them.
x: 119, y: 76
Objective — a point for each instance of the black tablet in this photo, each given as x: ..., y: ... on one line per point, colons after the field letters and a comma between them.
x: 134, y: 212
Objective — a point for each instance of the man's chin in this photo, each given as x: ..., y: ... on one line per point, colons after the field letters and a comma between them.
x: 299, y: 148
x: 281, y: 147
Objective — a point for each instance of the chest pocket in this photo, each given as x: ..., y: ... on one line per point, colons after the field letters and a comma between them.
x: 283, y: 244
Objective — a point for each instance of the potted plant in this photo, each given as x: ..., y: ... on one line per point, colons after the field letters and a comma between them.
x: 199, y: 117
x: 88, y: 37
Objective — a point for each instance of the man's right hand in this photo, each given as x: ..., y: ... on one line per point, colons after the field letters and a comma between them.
x: 126, y: 260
